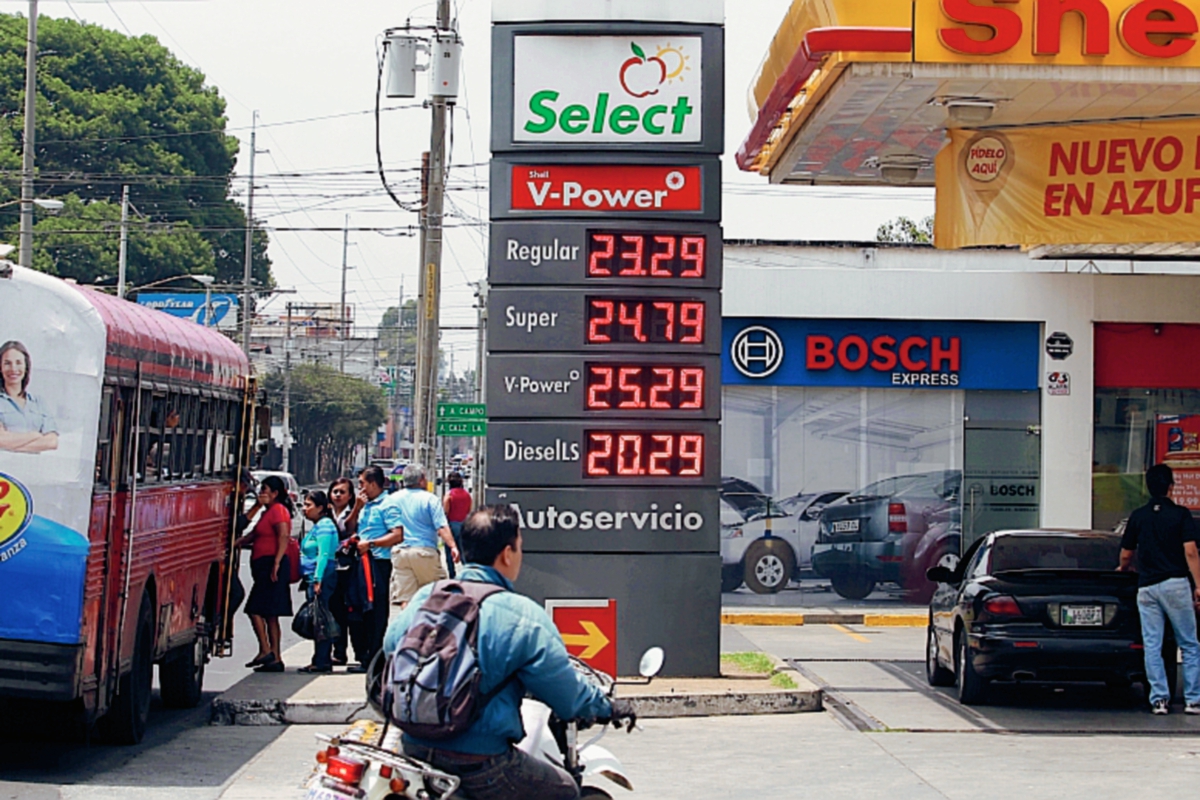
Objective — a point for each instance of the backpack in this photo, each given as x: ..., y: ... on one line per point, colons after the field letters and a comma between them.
x: 430, y: 686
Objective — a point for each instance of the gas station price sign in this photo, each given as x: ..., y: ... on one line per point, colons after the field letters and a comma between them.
x: 617, y: 253
x: 568, y: 320
x: 604, y: 386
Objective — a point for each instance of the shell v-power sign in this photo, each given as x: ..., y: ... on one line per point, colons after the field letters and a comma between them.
x: 604, y: 319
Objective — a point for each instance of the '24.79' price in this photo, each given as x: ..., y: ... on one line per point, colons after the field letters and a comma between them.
x: 645, y: 321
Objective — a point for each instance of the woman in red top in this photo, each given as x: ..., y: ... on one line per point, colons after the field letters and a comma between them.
x: 457, y: 505
x: 271, y: 596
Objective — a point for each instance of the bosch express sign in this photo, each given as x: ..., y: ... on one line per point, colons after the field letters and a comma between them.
x: 881, y: 353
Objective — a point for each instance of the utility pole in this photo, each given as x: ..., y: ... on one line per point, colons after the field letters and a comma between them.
x: 287, y: 392
x: 25, y: 257
x: 345, y: 255
x: 123, y: 252
x: 247, y: 268
x: 480, y: 443
x: 429, y: 312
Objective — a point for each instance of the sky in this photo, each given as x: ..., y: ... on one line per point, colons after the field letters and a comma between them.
x: 308, y: 67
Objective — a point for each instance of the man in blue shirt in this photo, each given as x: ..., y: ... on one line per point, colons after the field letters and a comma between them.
x: 415, y: 559
x: 516, y: 640
x: 378, y: 529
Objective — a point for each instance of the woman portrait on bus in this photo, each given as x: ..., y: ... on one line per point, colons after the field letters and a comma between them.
x: 319, y: 568
x: 271, y: 595
x: 26, y: 425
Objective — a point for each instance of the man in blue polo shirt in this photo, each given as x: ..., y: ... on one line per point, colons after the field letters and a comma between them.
x: 415, y: 559
x: 379, y: 528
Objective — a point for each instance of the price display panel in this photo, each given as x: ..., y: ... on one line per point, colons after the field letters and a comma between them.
x: 612, y: 253
x: 659, y: 453
x: 528, y: 386
x: 665, y: 322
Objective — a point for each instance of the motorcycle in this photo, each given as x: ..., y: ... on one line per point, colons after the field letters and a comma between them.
x: 367, y: 762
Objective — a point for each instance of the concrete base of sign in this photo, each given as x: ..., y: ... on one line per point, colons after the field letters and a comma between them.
x: 296, y: 699
x: 787, y: 618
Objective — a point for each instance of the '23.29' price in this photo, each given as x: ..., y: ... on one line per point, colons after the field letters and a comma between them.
x: 634, y: 454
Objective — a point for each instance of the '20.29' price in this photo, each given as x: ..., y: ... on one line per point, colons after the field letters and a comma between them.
x: 634, y: 454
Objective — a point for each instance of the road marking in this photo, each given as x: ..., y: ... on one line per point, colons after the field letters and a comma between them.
x: 858, y: 637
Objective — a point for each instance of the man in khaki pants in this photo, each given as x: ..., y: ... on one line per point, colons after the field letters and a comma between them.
x: 415, y: 560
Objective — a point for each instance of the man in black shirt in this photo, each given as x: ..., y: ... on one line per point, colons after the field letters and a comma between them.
x: 1163, y: 537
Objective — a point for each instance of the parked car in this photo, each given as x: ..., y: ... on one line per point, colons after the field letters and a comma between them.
x: 773, y: 544
x: 1035, y: 606
x: 941, y: 541
x: 869, y: 536
x: 289, y: 481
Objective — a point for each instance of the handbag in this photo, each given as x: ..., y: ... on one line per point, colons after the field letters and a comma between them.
x: 293, y: 557
x: 303, y: 623
x: 315, y: 622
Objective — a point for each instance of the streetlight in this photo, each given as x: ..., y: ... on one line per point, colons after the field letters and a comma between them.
x: 46, y: 204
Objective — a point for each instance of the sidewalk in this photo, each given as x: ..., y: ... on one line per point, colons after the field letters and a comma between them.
x: 900, y: 618
x: 292, y: 698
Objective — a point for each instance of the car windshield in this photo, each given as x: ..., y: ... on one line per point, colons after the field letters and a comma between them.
x: 1055, y: 552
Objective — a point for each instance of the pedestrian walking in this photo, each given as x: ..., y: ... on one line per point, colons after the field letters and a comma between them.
x: 457, y: 505
x: 377, y: 529
x: 271, y: 595
x: 346, y: 508
x: 1161, y: 542
x: 319, y: 568
x: 415, y: 559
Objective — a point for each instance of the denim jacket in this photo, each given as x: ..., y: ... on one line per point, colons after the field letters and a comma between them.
x: 515, y: 636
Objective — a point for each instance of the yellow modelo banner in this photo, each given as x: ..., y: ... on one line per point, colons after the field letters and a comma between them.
x: 1079, y: 184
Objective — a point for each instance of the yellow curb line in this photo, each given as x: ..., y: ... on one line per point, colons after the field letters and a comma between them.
x: 895, y: 620
x: 762, y: 619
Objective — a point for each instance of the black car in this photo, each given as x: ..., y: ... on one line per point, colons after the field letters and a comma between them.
x: 1038, y: 605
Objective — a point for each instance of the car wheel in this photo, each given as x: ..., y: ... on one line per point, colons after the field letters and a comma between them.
x: 125, y: 722
x: 181, y: 675
x: 852, y: 585
x: 769, y: 566
x: 972, y: 689
x: 731, y: 577
x: 935, y: 673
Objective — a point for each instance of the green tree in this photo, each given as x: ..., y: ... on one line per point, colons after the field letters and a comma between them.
x: 115, y: 110
x: 330, y: 414
x: 905, y: 231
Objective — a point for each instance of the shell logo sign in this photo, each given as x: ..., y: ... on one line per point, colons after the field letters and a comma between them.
x: 1074, y: 32
x: 575, y: 89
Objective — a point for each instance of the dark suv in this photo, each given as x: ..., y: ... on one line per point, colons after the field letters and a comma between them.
x: 871, y: 535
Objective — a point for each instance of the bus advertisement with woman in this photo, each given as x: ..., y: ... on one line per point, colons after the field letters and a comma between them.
x: 121, y: 431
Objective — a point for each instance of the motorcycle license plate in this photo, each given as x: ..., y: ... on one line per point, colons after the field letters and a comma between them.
x: 846, y: 526
x: 1082, y: 616
x: 319, y: 792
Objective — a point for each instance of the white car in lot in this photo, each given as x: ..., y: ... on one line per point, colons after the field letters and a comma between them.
x: 766, y: 543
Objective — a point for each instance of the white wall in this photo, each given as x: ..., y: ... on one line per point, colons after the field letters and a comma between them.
x: 972, y: 286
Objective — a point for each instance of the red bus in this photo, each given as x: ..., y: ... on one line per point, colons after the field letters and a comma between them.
x: 122, y: 430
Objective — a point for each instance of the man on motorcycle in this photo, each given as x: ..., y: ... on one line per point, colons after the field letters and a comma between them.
x: 516, y: 640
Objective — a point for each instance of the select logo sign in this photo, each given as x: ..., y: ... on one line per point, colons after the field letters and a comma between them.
x: 592, y: 89
x: 607, y: 189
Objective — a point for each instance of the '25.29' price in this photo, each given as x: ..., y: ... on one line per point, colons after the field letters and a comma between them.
x: 634, y: 454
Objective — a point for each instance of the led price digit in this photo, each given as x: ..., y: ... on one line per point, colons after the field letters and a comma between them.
x: 613, y: 254
x: 638, y: 320
x: 631, y: 454
x: 632, y: 387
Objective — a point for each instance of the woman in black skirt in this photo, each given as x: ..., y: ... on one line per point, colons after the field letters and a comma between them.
x: 271, y: 596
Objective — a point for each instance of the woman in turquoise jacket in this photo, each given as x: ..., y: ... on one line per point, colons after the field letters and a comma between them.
x: 319, y: 567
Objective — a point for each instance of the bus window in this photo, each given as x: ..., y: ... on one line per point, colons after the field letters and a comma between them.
x: 154, y: 463
x: 104, y: 439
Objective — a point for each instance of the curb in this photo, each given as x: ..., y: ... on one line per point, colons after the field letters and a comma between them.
x: 266, y: 713
x: 792, y: 619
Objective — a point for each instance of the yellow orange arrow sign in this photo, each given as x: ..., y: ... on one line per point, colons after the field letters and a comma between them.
x: 593, y: 640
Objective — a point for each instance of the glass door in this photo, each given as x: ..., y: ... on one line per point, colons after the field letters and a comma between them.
x: 1002, y: 463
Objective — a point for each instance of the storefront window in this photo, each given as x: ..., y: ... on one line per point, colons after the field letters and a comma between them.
x: 1133, y: 431
x: 786, y: 441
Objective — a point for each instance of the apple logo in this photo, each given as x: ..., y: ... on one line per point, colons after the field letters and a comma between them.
x: 646, y: 73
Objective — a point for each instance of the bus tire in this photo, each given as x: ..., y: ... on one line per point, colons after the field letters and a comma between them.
x: 181, y: 674
x: 125, y: 722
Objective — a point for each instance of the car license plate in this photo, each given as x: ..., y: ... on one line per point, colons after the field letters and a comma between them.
x: 1082, y: 616
x: 845, y: 526
x: 843, y: 548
